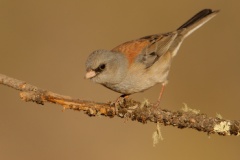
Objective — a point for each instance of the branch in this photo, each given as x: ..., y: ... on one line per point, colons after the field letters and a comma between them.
x: 127, y: 108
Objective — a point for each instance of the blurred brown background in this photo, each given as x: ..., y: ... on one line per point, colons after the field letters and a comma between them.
x: 46, y: 44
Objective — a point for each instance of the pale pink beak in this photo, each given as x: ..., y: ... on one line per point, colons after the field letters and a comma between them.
x: 90, y: 74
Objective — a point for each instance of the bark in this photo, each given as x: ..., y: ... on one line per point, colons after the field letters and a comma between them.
x: 142, y: 112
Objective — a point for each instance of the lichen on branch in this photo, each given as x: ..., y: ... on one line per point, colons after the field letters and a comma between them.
x: 127, y: 108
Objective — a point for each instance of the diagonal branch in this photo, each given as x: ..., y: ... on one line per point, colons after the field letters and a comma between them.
x: 127, y: 108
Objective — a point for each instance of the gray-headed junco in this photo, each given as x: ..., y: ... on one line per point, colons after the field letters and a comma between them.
x: 137, y: 65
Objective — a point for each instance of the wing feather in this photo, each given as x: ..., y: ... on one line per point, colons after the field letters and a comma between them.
x: 148, y: 49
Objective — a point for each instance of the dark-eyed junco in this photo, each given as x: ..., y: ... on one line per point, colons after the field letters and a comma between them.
x: 137, y: 65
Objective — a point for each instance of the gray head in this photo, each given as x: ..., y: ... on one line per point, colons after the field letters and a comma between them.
x: 106, y: 67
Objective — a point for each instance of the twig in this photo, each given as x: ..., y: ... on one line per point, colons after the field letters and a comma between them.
x: 127, y: 108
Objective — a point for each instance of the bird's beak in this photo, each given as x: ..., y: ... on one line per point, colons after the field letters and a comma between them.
x: 90, y: 74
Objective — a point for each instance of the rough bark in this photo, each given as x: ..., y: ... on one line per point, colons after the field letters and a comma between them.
x: 127, y: 108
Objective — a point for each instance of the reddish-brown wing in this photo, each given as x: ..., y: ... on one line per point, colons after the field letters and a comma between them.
x: 151, y: 47
x: 132, y: 49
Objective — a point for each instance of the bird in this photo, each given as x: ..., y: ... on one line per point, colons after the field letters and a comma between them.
x: 140, y: 64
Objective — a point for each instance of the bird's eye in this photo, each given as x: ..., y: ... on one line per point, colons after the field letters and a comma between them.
x: 100, y: 68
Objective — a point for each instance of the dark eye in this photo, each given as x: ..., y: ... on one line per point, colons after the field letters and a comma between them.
x: 100, y: 68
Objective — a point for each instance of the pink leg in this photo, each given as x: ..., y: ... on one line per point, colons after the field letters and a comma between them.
x: 160, y: 96
x: 161, y: 92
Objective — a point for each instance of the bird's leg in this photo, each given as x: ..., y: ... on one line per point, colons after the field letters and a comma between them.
x: 123, y: 96
x: 160, y: 96
x: 161, y: 93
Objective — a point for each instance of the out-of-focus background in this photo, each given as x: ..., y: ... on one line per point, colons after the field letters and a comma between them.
x: 46, y: 43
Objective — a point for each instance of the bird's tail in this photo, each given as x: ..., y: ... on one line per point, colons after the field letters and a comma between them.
x: 197, y: 21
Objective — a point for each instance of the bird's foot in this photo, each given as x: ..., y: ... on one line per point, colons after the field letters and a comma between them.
x: 120, y: 100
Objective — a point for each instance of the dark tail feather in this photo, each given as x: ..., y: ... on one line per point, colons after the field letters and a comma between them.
x: 197, y: 21
x: 196, y: 18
